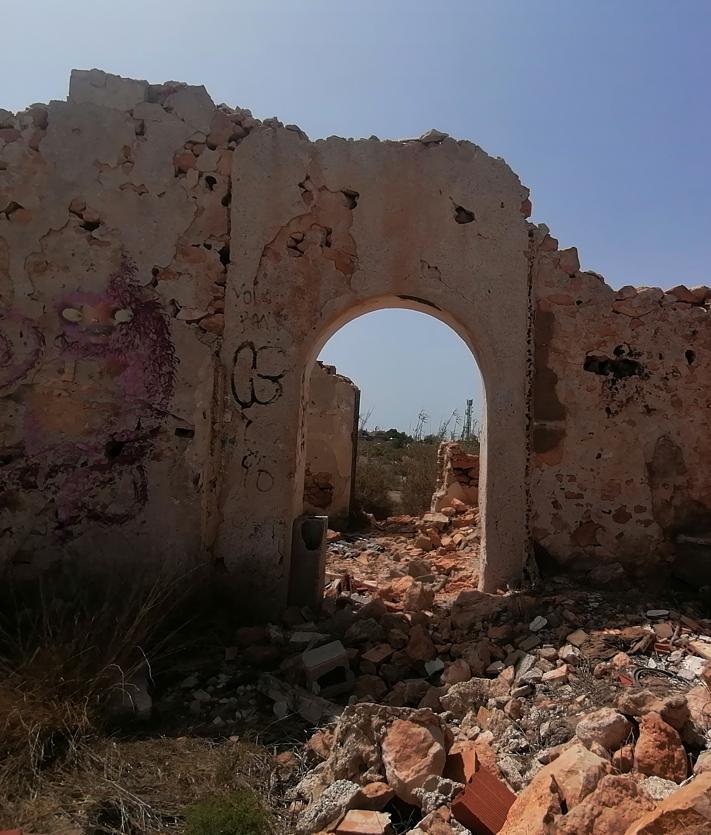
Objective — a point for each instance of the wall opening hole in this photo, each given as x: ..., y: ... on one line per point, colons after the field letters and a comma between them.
x: 462, y: 215
x: 619, y: 368
x: 690, y: 356
x: 351, y: 197
x: 114, y: 448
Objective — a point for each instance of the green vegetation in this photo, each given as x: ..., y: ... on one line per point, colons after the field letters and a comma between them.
x: 397, y: 472
x: 238, y: 813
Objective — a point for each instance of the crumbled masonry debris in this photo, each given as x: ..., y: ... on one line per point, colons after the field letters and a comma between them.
x: 430, y: 707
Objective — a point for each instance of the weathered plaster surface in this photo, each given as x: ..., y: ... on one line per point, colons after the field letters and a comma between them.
x: 622, y: 400
x: 114, y: 231
x: 169, y: 271
x: 331, y: 442
x: 339, y: 228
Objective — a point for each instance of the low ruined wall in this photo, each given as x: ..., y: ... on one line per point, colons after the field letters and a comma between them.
x: 457, y: 476
x: 331, y: 441
x: 621, y: 409
x: 114, y: 246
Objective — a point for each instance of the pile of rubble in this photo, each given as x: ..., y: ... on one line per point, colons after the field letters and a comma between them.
x: 441, y: 709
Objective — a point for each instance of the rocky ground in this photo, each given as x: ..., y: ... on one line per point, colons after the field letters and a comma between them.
x: 414, y: 703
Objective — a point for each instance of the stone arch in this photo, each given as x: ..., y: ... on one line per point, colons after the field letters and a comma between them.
x: 336, y: 229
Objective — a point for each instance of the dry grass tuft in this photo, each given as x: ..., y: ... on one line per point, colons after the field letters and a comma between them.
x: 69, y: 645
x: 143, y: 786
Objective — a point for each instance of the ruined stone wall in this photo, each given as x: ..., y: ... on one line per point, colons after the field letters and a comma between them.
x: 457, y: 476
x: 132, y: 427
x: 114, y: 247
x: 622, y: 399
x: 331, y: 442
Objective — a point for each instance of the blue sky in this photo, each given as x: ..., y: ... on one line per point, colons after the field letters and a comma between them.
x: 602, y: 108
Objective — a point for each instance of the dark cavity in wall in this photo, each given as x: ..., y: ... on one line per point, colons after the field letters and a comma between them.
x: 462, y: 215
x: 690, y: 356
x: 618, y: 367
x: 351, y: 197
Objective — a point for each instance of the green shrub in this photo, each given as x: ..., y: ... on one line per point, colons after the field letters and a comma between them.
x: 373, y: 481
x: 419, y: 477
x: 239, y: 813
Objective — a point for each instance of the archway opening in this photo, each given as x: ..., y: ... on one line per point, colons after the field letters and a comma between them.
x: 393, y: 434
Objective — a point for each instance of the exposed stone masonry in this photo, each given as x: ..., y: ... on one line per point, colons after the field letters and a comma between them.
x: 170, y: 269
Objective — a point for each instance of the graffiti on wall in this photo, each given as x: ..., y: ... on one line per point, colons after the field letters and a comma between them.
x: 93, y: 405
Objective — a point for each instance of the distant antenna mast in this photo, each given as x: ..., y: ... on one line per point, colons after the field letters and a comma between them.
x: 468, y: 421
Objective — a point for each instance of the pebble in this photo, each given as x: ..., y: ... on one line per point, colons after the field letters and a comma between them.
x: 538, y: 623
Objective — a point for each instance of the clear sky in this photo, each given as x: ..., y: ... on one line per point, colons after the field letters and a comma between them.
x: 603, y: 109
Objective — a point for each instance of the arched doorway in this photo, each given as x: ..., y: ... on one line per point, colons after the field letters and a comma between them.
x: 339, y: 229
x: 388, y: 388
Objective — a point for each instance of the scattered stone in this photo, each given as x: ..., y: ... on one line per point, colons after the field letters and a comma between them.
x: 412, y: 753
x: 577, y: 638
x: 329, y: 809
x: 616, y: 803
x: 538, y: 623
x: 687, y: 810
x: 456, y: 672
x: 557, y: 676
x: 375, y: 796
x: 659, y: 751
x: 364, y: 822
x: 606, y: 727
x: 658, y: 788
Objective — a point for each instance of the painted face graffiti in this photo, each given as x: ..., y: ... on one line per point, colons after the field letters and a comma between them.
x: 97, y: 403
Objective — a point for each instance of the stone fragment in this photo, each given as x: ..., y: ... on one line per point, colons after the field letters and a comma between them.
x: 703, y: 763
x: 557, y: 676
x: 606, y: 727
x: 700, y: 648
x: 687, y: 811
x: 378, y: 654
x: 578, y: 638
x: 659, y: 751
x: 698, y: 725
x: 436, y: 665
x: 576, y: 772
x: 418, y: 598
x: 456, y: 672
x: 439, y: 822
x: 673, y: 708
x: 468, y: 695
x: 320, y: 743
x: 433, y: 136
x: 331, y: 806
x: 471, y: 606
x: 623, y: 759
x: 364, y: 822
x: 375, y: 796
x: 412, y: 753
x: 616, y: 803
x: 535, y: 811
x: 356, y: 749
x: 420, y: 646
x: 538, y: 623
x: 658, y: 788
